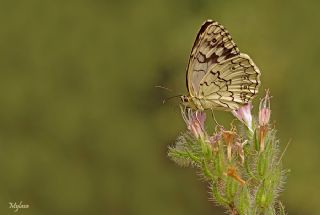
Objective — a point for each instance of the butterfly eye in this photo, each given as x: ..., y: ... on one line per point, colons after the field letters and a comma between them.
x: 184, y: 99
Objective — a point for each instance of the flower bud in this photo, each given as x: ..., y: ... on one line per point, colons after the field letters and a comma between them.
x: 228, y: 137
x: 244, y: 115
x: 232, y: 172
x: 264, y: 110
x: 195, y: 122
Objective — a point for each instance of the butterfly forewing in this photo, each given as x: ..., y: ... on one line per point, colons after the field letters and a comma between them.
x: 218, y: 75
x: 213, y: 44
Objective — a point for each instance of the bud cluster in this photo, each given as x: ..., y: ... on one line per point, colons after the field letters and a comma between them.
x: 243, y: 169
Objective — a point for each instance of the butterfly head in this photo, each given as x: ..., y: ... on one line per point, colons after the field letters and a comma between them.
x: 185, y: 99
x: 191, y: 102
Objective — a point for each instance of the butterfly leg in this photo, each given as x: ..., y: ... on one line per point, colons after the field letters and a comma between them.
x: 214, y: 118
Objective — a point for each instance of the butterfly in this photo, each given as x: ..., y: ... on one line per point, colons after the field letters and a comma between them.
x: 218, y: 76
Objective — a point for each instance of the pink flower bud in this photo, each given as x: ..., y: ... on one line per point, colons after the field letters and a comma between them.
x: 244, y: 115
x: 195, y: 122
x: 264, y: 110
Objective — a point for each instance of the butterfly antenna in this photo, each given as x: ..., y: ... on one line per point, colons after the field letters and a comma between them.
x: 162, y: 87
x: 166, y: 99
x: 168, y: 89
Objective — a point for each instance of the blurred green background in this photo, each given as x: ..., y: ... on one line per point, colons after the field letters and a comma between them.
x: 83, y: 129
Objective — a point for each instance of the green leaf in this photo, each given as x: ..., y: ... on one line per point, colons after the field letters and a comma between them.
x: 206, y: 171
x: 281, y: 208
x: 256, y: 141
x: 261, y: 197
x: 231, y: 188
x: 218, y: 197
x: 219, y: 162
x: 243, y: 203
x: 262, y: 164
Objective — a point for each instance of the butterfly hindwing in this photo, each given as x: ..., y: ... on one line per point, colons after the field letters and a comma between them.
x: 213, y: 44
x: 230, y: 83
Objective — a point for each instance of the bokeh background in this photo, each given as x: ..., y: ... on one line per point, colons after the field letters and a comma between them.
x: 83, y: 129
